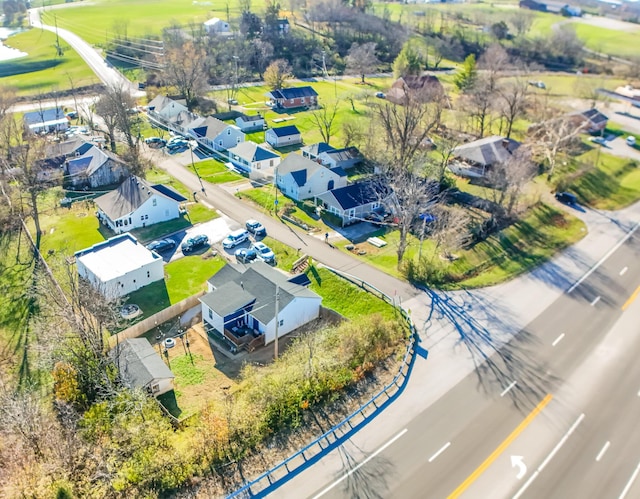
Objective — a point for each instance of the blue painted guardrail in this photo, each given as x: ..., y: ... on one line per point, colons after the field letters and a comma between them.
x: 261, y: 483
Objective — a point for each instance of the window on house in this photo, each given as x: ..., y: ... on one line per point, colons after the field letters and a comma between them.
x: 148, y: 274
x: 271, y: 163
x: 154, y: 202
x: 146, y: 217
x: 210, y: 314
x: 229, y: 131
x: 375, y: 205
x: 126, y: 223
x: 142, y: 217
x: 281, y: 322
x: 134, y: 281
x: 129, y: 219
x: 155, y: 388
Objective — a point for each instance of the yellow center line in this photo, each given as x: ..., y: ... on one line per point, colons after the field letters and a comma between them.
x: 633, y: 296
x: 500, y: 449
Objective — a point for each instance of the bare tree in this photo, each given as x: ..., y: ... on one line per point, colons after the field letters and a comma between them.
x: 352, y: 133
x: 480, y: 104
x: 185, y: 69
x: 277, y: 73
x: 324, y: 119
x: 553, y: 136
x: 449, y: 230
x: 444, y: 146
x: 513, y: 102
x: 521, y: 21
x: 116, y: 106
x: 509, y: 178
x: 362, y: 59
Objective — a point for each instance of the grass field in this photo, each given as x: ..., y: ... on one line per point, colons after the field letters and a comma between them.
x: 608, y: 41
x: 99, y: 20
x: 42, y: 70
x: 215, y: 172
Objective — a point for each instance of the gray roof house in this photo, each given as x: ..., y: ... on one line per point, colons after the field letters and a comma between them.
x: 253, y: 159
x: 45, y: 121
x: 314, y: 150
x: 355, y: 201
x: 136, y: 203
x: 250, y: 123
x: 240, y: 306
x: 170, y: 114
x: 140, y: 366
x: 301, y: 178
x: 214, y: 134
x: 345, y: 158
x: 473, y: 159
x: 92, y: 167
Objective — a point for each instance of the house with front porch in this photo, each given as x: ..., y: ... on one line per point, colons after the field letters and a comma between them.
x: 293, y: 98
x: 301, y: 178
x: 215, y: 135
x: 355, y: 201
x: 242, y: 300
x: 136, y: 204
x: 474, y: 159
x: 283, y: 136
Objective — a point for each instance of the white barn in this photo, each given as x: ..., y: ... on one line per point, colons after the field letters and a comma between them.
x: 119, y: 266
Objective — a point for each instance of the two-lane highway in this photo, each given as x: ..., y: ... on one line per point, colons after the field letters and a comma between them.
x: 557, y: 393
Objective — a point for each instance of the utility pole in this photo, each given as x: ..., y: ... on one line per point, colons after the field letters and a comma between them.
x: 58, y: 48
x: 277, y: 323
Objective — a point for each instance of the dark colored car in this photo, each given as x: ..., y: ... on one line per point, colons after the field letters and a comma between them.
x: 161, y: 245
x: 256, y: 228
x: 155, y: 142
x: 195, y: 242
x: 177, y: 145
x: 567, y: 198
x: 246, y: 255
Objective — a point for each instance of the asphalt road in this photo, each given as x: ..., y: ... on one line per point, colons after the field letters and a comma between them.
x: 578, y: 357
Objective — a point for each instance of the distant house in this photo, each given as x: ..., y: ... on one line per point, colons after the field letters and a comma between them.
x: 301, y: 178
x: 140, y: 366
x: 136, y: 203
x: 240, y: 305
x: 92, y: 167
x: 475, y: 158
x: 629, y: 92
x: 561, y: 8
x: 355, y: 201
x: 170, y: 114
x: 422, y: 88
x: 314, y: 150
x: 46, y: 121
x: 345, y: 158
x: 283, y: 136
x: 250, y: 123
x: 593, y: 120
x: 119, y: 266
x: 292, y: 98
x: 214, y: 134
x: 283, y: 26
x: 254, y: 159
x: 216, y: 26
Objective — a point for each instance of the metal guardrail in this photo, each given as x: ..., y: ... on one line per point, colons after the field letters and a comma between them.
x: 260, y: 484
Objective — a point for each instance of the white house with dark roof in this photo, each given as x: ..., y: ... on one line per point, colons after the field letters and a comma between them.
x: 301, y: 178
x: 46, y: 121
x: 355, y: 201
x: 214, y: 134
x: 119, y: 266
x: 92, y: 167
x: 475, y: 158
x: 254, y: 159
x: 170, y: 114
x: 250, y: 123
x: 283, y: 136
x: 240, y: 305
x: 314, y: 150
x: 136, y: 203
x: 140, y: 366
x: 344, y: 158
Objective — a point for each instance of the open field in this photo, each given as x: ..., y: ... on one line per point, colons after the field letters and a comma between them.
x: 607, y: 41
x: 215, y: 172
x: 99, y: 20
x: 42, y: 70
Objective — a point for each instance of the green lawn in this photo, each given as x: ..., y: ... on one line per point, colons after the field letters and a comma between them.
x: 285, y: 255
x: 608, y: 41
x: 97, y: 20
x: 345, y: 298
x: 42, y: 70
x: 215, y: 172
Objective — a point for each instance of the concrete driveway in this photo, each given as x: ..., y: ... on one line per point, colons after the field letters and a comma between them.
x: 618, y: 147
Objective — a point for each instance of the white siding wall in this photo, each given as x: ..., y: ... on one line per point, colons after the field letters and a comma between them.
x: 299, y: 311
x: 212, y: 318
x: 319, y: 183
x: 288, y: 186
x: 249, y: 125
x: 155, y: 209
x: 230, y: 137
x: 163, y: 386
x: 128, y: 283
x: 271, y: 138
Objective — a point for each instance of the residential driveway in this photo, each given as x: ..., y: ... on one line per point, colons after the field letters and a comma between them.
x: 216, y: 230
x: 619, y: 147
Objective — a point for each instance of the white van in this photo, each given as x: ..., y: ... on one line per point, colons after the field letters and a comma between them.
x: 236, y: 237
x: 631, y: 140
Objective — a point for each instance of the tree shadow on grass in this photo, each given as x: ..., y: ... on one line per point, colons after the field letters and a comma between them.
x: 24, y: 67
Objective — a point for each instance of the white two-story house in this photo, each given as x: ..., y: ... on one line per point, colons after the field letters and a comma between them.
x: 301, y: 178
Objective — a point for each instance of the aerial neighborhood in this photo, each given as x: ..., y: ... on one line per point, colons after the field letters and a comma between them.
x: 239, y: 241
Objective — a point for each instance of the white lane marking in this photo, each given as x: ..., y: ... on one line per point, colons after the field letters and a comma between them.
x: 604, y: 258
x: 602, y: 451
x: 595, y: 300
x: 630, y: 482
x: 557, y: 340
x: 347, y: 475
x: 549, y: 457
x: 624, y: 271
x: 504, y: 392
x: 442, y: 449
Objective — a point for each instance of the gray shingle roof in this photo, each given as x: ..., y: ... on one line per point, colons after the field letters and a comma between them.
x: 354, y: 195
x: 35, y: 117
x: 251, y: 151
x: 209, y: 127
x: 487, y: 151
x: 139, y: 364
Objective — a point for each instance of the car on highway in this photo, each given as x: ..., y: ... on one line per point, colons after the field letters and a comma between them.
x: 567, y: 198
x: 161, y: 245
x: 246, y: 255
x: 265, y: 253
x: 235, y: 238
x: 193, y: 243
x: 256, y: 228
